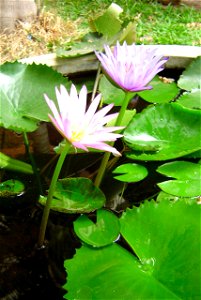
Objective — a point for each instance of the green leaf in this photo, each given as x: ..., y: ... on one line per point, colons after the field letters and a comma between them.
x: 188, y: 176
x: 162, y: 196
x: 11, y: 188
x: 89, y: 45
x: 76, y: 195
x: 190, y: 78
x: 9, y: 163
x: 128, y: 116
x: 163, y: 267
x: 108, y: 23
x: 128, y: 34
x: 130, y: 172
x: 110, y: 93
x: 155, y: 133
x: 101, y: 233
x: 22, y: 89
x: 191, y: 100
x: 162, y: 91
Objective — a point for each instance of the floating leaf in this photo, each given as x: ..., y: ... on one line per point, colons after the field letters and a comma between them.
x: 22, y: 89
x: 190, y: 78
x: 155, y: 133
x: 188, y: 176
x: 101, y: 233
x: 162, y: 196
x: 11, y: 187
x: 130, y: 172
x: 14, y: 164
x: 191, y: 100
x: 160, y: 235
x: 76, y: 195
x: 110, y: 93
x: 162, y: 91
x: 128, y: 116
x: 83, y: 47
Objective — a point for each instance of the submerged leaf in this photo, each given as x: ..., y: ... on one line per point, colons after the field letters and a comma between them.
x: 11, y: 187
x: 76, y: 195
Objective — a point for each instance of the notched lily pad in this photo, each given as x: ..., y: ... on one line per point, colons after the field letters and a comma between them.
x: 187, y: 178
x: 130, y: 172
x: 76, y: 195
x: 101, y: 233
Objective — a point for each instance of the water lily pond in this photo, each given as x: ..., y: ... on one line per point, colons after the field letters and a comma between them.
x: 103, y: 200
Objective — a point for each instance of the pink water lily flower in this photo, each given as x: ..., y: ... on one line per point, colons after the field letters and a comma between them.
x: 131, y: 67
x: 83, y: 128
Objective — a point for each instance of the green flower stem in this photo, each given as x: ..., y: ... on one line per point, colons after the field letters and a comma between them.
x: 31, y: 158
x: 96, y: 82
x: 47, y: 207
x: 106, y: 156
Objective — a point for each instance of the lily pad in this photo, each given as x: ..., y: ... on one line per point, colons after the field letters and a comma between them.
x: 163, y: 131
x: 190, y: 78
x: 187, y: 175
x: 110, y: 93
x: 22, y: 89
x: 191, y: 100
x: 76, y: 195
x: 101, y: 233
x: 160, y: 266
x: 130, y: 172
x: 162, y: 91
x: 11, y: 187
x: 165, y: 196
x: 82, y: 47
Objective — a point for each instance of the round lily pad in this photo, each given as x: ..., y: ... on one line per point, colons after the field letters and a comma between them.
x: 190, y: 78
x: 187, y: 178
x: 130, y: 172
x: 11, y: 187
x: 160, y: 265
x: 101, y: 233
x: 163, y: 131
x: 75, y: 195
x: 161, y: 92
x: 191, y: 100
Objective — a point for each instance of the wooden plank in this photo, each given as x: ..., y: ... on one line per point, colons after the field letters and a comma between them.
x: 179, y: 57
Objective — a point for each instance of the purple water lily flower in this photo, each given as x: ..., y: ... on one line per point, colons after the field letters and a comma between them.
x: 131, y: 67
x: 83, y: 127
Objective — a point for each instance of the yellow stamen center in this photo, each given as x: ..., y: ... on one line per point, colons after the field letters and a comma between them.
x: 77, y: 135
